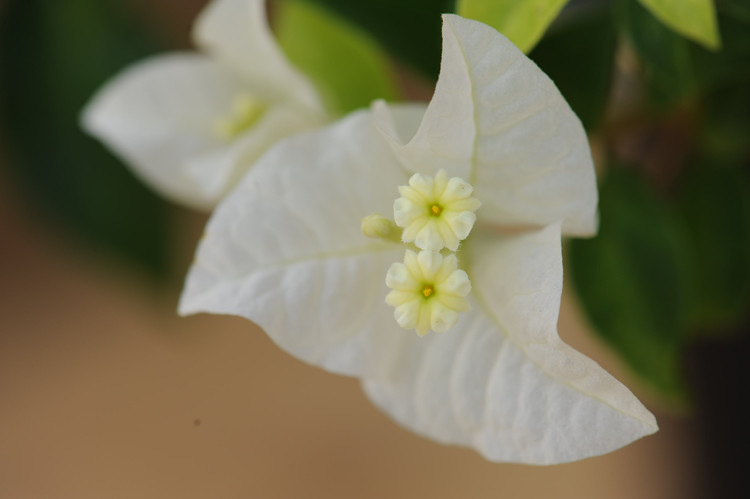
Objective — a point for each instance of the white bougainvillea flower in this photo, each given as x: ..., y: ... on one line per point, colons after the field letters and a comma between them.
x: 435, y: 213
x: 428, y: 291
x: 303, y: 249
x: 190, y: 124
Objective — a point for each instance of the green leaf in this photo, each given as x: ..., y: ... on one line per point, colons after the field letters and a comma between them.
x: 522, y: 21
x: 582, y: 70
x: 716, y: 204
x: 738, y: 9
x: 726, y: 124
x: 695, y: 19
x: 665, y: 55
x: 731, y: 65
x: 409, y: 30
x: 347, y: 65
x: 54, y: 56
x: 636, y: 281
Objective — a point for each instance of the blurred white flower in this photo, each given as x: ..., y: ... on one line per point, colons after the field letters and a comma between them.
x: 191, y: 124
x: 301, y: 249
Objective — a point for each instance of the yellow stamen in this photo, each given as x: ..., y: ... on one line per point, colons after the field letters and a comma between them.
x: 436, y: 209
x: 428, y: 290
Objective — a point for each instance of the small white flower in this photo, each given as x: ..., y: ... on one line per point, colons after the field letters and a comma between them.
x: 191, y: 124
x: 428, y: 291
x: 285, y: 250
x: 435, y: 212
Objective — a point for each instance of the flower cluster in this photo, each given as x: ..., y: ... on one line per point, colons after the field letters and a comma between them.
x: 428, y: 290
x: 491, y: 175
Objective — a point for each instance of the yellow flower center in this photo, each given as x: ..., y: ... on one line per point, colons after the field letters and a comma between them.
x: 245, y: 112
x: 427, y: 290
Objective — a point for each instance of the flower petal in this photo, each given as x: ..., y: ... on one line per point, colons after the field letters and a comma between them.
x: 158, y: 113
x: 397, y: 131
x: 237, y: 33
x: 502, y: 381
x: 285, y: 249
x: 500, y: 123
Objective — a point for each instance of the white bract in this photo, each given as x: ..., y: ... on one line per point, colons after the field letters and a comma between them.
x: 191, y: 124
x: 303, y: 249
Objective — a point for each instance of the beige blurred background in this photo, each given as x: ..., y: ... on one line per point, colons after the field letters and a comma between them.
x: 106, y: 393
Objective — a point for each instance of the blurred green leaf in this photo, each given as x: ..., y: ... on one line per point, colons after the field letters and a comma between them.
x: 522, y: 21
x: 636, y: 281
x: 579, y: 57
x: 695, y: 19
x: 348, y: 66
x: 731, y: 65
x: 726, y: 124
x: 665, y: 55
x: 738, y: 9
x: 409, y: 30
x: 716, y: 204
x: 54, y: 56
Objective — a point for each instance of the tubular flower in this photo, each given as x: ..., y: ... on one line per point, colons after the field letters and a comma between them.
x: 191, y: 124
x: 296, y: 249
x: 428, y: 291
x: 435, y: 213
